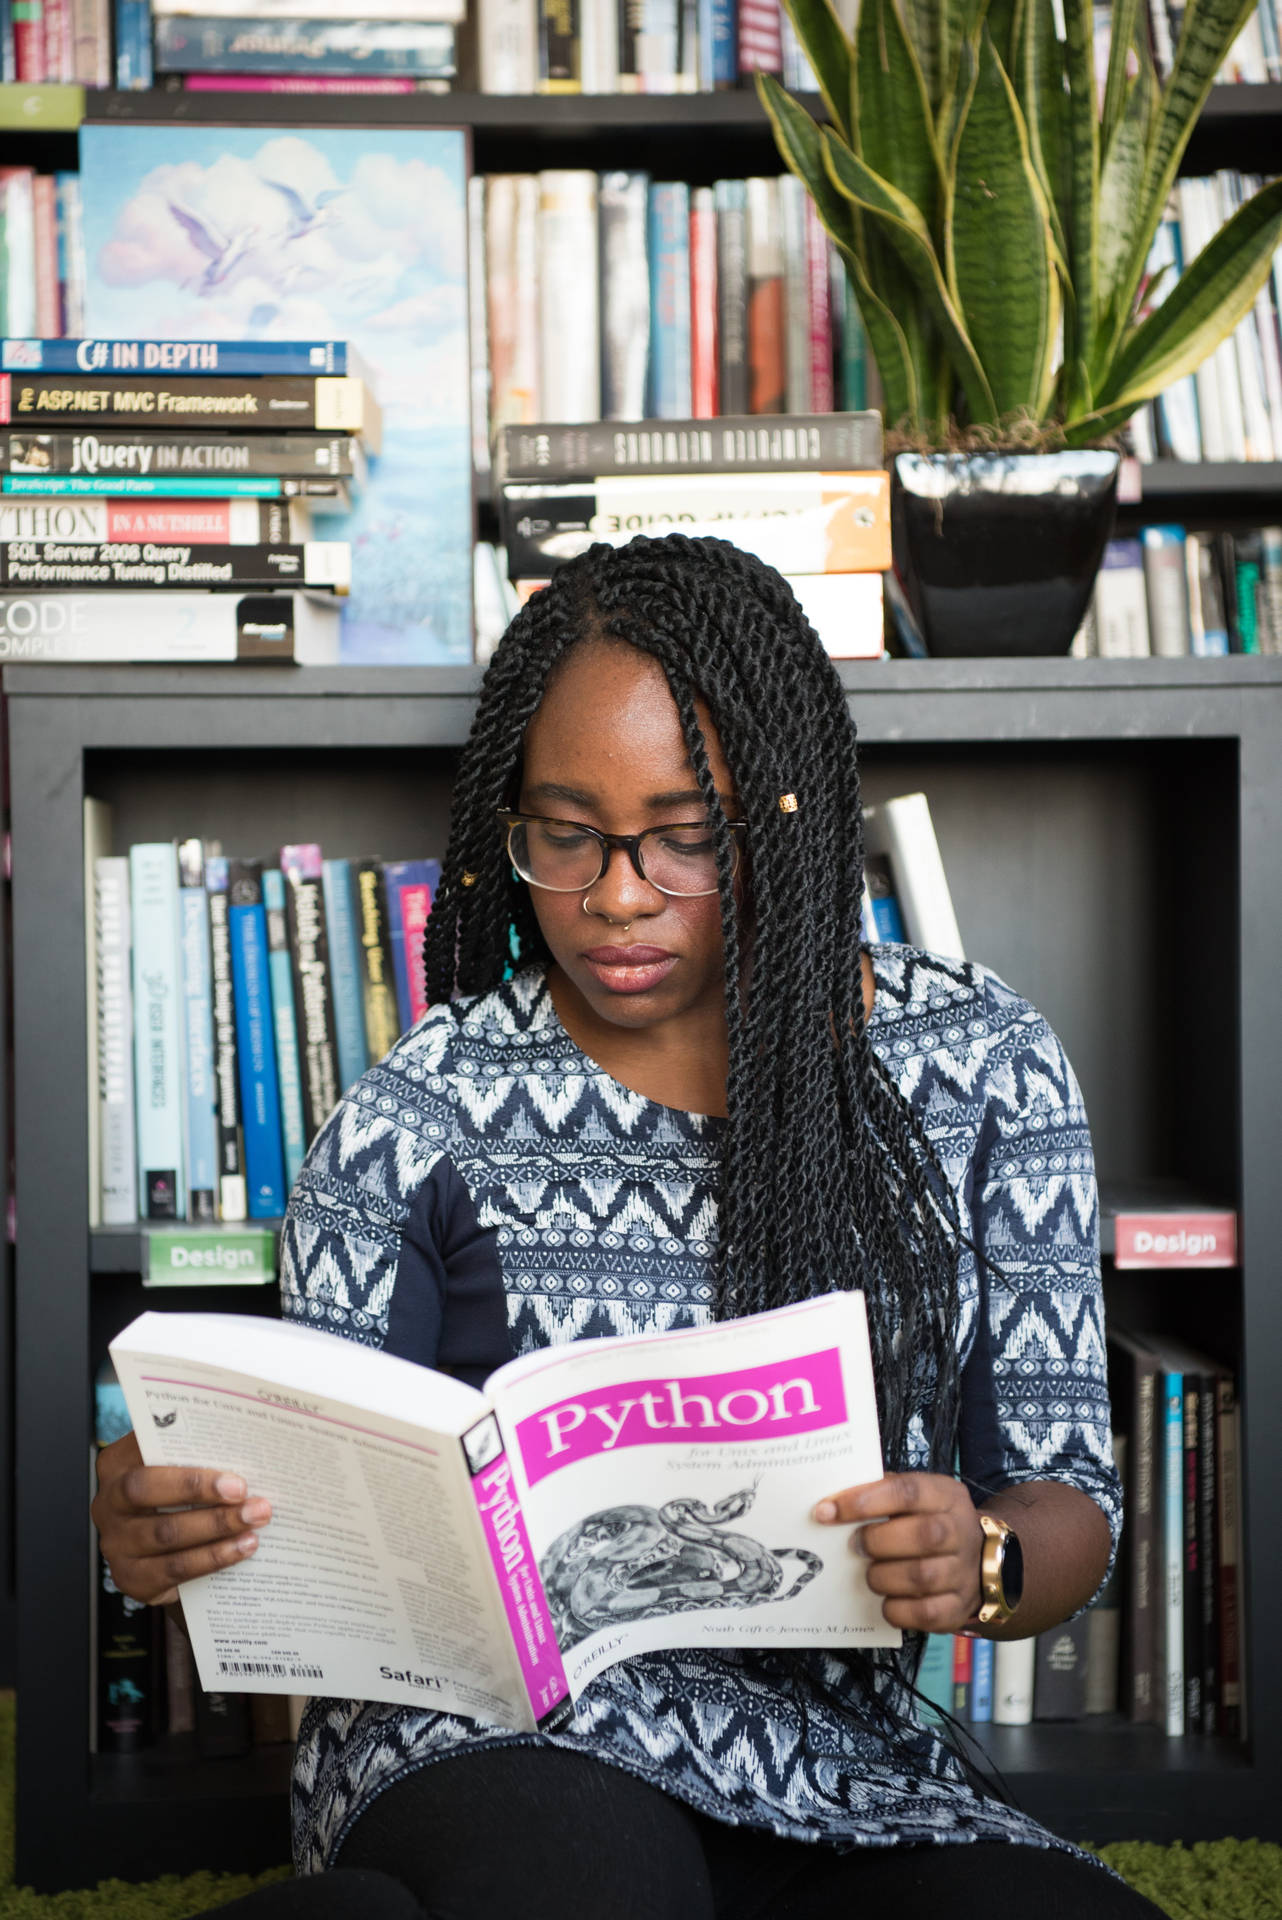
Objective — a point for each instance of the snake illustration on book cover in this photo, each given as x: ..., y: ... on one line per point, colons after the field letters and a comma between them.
x: 638, y: 1563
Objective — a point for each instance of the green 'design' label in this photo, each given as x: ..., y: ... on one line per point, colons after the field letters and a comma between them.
x: 210, y: 1259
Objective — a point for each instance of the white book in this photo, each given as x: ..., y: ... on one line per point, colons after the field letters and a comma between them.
x: 569, y: 281
x: 507, y: 41
x: 599, y: 46
x: 846, y: 610
x: 96, y: 845
x: 444, y: 12
x: 796, y: 293
x: 1224, y: 358
x: 622, y: 204
x: 499, y: 1535
x: 478, y: 324
x: 1121, y: 604
x: 1206, y: 380
x: 1257, y: 429
x: 903, y: 830
x: 512, y: 299
x: 1014, y: 1666
x: 158, y: 1038
x: 1166, y: 591
x: 117, y: 1198
x: 1269, y: 337
x: 18, y: 238
x: 1246, y: 61
x: 179, y: 626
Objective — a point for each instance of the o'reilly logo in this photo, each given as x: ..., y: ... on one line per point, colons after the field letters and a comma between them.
x: 207, y: 1258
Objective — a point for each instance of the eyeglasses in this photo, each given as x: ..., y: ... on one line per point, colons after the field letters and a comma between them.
x: 564, y: 856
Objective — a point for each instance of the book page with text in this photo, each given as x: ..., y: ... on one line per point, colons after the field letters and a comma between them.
x: 372, y: 1580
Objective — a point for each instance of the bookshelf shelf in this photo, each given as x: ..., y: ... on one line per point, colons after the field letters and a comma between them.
x: 1083, y: 807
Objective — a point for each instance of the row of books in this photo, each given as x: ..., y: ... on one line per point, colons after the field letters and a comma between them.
x: 615, y: 296
x: 1229, y: 408
x: 1066, y: 1673
x: 230, y: 1002
x: 1172, y: 592
x: 1255, y: 56
x: 42, y: 282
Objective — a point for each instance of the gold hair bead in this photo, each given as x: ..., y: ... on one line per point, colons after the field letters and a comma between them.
x: 469, y: 879
x: 787, y: 803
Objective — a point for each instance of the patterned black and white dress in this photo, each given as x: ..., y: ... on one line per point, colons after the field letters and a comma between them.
x: 487, y: 1156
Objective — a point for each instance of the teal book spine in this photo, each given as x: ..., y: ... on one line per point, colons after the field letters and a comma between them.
x: 281, y: 976
x: 1173, y: 1550
x: 345, y: 971
x: 935, y: 1676
x: 158, y: 1068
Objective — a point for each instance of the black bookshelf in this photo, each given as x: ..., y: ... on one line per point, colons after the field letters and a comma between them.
x: 1113, y: 836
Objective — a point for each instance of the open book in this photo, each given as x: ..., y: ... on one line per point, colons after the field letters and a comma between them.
x: 489, y: 1553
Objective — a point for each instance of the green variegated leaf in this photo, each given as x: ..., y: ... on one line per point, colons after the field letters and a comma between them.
x: 1120, y: 51
x: 1083, y: 153
x: 1000, y: 19
x: 900, y: 222
x: 898, y: 327
x: 894, y: 132
x: 1211, y: 296
x: 826, y: 45
x: 1210, y: 28
x: 1121, y: 184
x: 1038, y: 75
x: 1000, y: 247
x: 801, y: 145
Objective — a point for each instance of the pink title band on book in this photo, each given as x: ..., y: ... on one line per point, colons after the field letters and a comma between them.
x: 756, y: 1403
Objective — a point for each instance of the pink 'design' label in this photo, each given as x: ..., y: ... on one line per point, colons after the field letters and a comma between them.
x: 756, y: 1403
x: 1176, y: 1240
x: 524, y: 1601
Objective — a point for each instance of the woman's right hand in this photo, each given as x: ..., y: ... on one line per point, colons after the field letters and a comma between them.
x: 150, y: 1548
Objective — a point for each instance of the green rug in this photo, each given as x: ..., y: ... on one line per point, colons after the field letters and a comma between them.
x: 1214, y: 1880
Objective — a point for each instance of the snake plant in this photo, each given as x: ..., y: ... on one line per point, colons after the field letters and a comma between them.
x: 995, y: 206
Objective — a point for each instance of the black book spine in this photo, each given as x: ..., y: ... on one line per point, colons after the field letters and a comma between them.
x: 223, y: 1724
x: 1059, y: 1677
x: 751, y: 443
x: 313, y: 989
x: 231, y: 1150
x: 560, y: 46
x: 141, y: 564
x: 1208, y: 1556
x: 378, y: 976
x: 732, y: 305
x: 92, y: 454
x: 1192, y: 1568
x: 112, y: 400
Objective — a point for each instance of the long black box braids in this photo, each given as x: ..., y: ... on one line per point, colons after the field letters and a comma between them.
x: 829, y: 1181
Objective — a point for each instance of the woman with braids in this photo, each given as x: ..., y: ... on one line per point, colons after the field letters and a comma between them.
x: 660, y: 1082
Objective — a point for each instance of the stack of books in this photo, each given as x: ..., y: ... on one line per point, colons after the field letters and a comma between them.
x: 1171, y: 592
x: 806, y: 494
x: 230, y: 1003
x: 156, y: 498
x: 615, y: 297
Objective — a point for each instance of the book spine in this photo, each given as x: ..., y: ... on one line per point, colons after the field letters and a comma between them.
x: 71, y: 264
x: 934, y: 1681
x: 1142, y: 1509
x: 981, y: 1682
x: 963, y: 1672
x: 796, y: 295
x: 180, y: 1679
x: 507, y: 46
x: 416, y: 907
x: 239, y: 358
x: 126, y: 1630
x: 1171, y: 1706
x: 202, y: 1118
x: 231, y: 1150
x: 398, y: 875
x: 267, y: 44
x: 731, y: 444
x: 921, y: 884
x: 1014, y: 1668
x: 45, y: 192
x: 1207, y: 1550
x: 322, y: 496
x: 823, y: 394
x: 109, y: 566
x: 560, y: 47
x: 29, y: 42
x: 1121, y: 607
x: 18, y: 187
x: 328, y: 403
x: 313, y: 1005
x: 1228, y: 1612
x: 307, y: 83
x: 718, y: 48
x: 625, y: 296
x: 703, y: 304
x: 1192, y: 1598
x: 766, y: 317
x: 281, y: 979
x: 216, y: 458
x: 157, y: 983
x: 1166, y: 591
x: 1059, y: 1680
x: 223, y: 1726
x: 529, y: 1619
x: 345, y: 971
x: 119, y: 1177
x: 568, y: 295
x: 1104, y: 1619
x: 760, y: 38
x: 511, y: 259
x: 731, y: 197
x: 378, y: 990
x: 670, y: 371
x: 224, y: 523
x: 849, y: 338
x: 255, y: 1049
x: 477, y: 325
x: 162, y: 625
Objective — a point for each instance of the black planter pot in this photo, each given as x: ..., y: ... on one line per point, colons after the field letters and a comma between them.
x: 997, y: 552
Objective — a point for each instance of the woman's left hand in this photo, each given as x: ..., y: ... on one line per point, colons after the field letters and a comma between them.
x: 924, y: 1552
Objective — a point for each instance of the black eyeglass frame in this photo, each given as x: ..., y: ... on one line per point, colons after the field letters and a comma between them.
x: 630, y: 843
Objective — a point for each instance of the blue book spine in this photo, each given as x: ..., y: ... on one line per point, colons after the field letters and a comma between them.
x: 159, y: 486
x: 1172, y: 1702
x: 398, y: 874
x: 8, y: 70
x: 670, y: 370
x: 198, y: 1010
x: 935, y: 1676
x: 981, y: 1681
x: 157, y: 982
x: 255, y: 1048
x: 718, y: 51
x: 345, y: 977
x: 281, y: 973
x: 240, y: 357
x: 142, y: 30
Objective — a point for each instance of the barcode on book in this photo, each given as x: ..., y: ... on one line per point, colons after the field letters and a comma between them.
x: 272, y: 1669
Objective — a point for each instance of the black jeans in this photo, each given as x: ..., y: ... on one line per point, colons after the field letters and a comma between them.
x: 547, y: 1834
